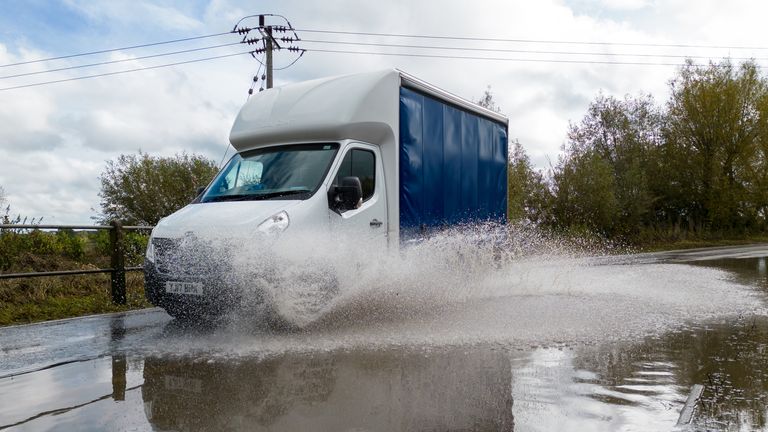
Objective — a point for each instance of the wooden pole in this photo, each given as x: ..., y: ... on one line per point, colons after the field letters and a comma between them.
x: 116, y: 237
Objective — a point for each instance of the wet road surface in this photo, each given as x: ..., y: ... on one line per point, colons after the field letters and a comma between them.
x: 565, y: 344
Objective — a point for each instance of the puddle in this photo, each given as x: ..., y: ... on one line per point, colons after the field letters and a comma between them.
x: 547, y: 345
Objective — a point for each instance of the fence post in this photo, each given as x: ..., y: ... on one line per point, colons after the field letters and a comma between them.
x: 118, y: 262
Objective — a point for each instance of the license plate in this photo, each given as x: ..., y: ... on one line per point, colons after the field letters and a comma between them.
x: 188, y: 288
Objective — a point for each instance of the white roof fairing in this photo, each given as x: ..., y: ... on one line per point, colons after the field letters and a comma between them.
x: 360, y: 106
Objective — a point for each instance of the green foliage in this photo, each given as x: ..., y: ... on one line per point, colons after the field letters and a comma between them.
x: 35, y: 299
x: 528, y: 196
x: 696, y: 167
x: 16, y: 246
x: 134, y: 243
x: 585, y: 194
x: 716, y: 132
x: 603, y: 179
x: 142, y: 189
x: 25, y: 250
x: 30, y: 300
x: 72, y: 245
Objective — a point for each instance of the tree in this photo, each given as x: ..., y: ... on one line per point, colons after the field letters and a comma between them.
x: 716, y: 132
x: 487, y: 101
x: 610, y: 154
x: 528, y: 195
x: 699, y: 163
x: 4, y: 211
x: 585, y: 193
x: 759, y: 178
x: 142, y: 189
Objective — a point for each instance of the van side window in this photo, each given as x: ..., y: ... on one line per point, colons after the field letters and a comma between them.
x: 362, y: 164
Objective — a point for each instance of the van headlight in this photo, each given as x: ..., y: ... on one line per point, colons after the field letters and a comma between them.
x: 275, y: 224
x: 150, y: 254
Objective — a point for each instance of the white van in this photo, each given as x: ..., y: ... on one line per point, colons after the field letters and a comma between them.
x: 383, y: 157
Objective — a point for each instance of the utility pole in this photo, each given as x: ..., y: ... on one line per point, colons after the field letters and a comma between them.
x: 269, y: 57
x: 269, y: 45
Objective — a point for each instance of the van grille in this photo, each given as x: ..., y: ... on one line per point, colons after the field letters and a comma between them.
x: 165, y: 249
x: 186, y: 257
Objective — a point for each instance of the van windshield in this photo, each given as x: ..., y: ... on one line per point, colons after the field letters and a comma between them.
x: 285, y: 172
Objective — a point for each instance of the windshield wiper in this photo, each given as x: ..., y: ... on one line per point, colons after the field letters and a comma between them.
x: 256, y: 197
x: 279, y: 194
x: 239, y: 197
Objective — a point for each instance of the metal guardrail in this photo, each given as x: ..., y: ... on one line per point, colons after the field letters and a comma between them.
x: 117, y: 256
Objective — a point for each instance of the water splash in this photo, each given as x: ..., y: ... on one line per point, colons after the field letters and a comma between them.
x: 482, y: 283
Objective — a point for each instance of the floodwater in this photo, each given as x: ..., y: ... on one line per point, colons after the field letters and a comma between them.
x: 546, y: 343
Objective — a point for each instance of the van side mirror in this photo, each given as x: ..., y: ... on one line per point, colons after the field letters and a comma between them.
x: 347, y: 196
x: 199, y: 191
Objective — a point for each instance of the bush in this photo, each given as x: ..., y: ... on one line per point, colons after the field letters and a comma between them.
x: 134, y: 242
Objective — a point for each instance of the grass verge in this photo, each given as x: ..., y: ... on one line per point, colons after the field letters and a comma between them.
x: 42, y: 299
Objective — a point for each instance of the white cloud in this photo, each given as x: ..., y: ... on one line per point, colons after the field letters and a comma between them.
x: 54, y: 140
x: 625, y: 5
x: 135, y: 12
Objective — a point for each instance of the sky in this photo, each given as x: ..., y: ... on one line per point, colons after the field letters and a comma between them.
x: 55, y: 139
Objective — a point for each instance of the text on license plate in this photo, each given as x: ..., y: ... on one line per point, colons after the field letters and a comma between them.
x: 189, y: 288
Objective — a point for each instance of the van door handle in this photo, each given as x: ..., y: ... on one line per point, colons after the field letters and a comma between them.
x: 376, y: 223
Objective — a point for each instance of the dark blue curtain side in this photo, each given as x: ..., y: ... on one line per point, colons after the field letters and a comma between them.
x: 453, y: 165
x: 411, y: 145
x: 470, y: 134
x: 432, y: 161
x: 500, y: 166
x: 486, y: 172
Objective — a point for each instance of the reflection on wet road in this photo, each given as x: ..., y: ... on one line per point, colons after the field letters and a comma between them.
x: 333, y: 391
x: 436, y: 371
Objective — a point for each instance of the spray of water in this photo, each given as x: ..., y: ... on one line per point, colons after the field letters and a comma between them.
x: 314, y: 282
x: 512, y: 286
x: 307, y: 276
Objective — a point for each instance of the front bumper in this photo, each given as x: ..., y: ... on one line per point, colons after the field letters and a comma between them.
x: 220, y: 294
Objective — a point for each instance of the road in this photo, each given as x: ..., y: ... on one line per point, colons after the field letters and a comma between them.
x: 544, y: 343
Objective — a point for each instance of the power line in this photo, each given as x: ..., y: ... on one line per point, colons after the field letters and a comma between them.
x: 118, y: 61
x: 236, y: 30
x: 540, y: 41
x: 352, y: 52
x: 301, y: 53
x: 115, y: 49
x: 401, y: 54
x: 501, y: 58
x: 125, y: 71
x: 523, y: 51
x: 369, y: 44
